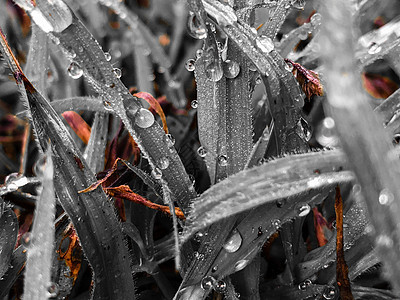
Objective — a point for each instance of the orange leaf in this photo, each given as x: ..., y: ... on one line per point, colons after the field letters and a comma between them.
x: 98, y: 182
x: 308, y: 80
x: 124, y: 192
x: 320, y: 225
x: 154, y: 105
x: 342, y: 271
x: 378, y: 86
x: 72, y: 256
x: 78, y: 125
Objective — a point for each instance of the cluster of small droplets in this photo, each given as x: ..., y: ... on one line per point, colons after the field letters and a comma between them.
x: 75, y: 71
x: 304, y: 285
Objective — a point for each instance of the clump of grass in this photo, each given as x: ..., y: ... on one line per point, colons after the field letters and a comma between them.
x: 200, y: 150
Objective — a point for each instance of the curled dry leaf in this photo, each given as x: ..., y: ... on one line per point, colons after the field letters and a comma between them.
x: 378, y: 86
x: 78, y: 125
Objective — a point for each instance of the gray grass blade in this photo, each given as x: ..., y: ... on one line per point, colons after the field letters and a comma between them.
x: 17, y: 263
x: 365, y: 142
x: 79, y: 103
x: 41, y: 247
x: 8, y: 238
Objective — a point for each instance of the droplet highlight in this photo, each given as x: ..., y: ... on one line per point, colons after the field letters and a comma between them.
x: 233, y: 243
x: 231, y: 69
x: 144, y: 118
x: 75, y: 71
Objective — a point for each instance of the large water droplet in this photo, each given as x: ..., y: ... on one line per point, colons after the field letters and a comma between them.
x: 75, y: 71
x: 374, y: 48
x: 326, y: 134
x: 265, y: 44
x: 117, y: 72
x: 220, y: 286
x: 214, y: 71
x: 231, y: 69
x: 233, y: 243
x: 107, y: 56
x: 303, y: 209
x: 194, y: 104
x: 163, y: 163
x: 316, y: 19
x: 144, y: 118
x: 207, y: 283
x: 195, y: 28
x: 222, y: 160
x: 386, y: 197
x: 241, y: 264
x: 202, y: 152
x: 329, y: 292
x: 189, y: 65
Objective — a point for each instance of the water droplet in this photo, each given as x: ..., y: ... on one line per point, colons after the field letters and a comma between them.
x: 171, y: 139
x: 276, y: 223
x: 289, y: 67
x: 144, y: 118
x: 117, y: 72
x: 163, y: 163
x: 75, y: 71
x: 316, y: 19
x: 231, y: 69
x: 303, y: 35
x: 329, y: 292
x: 265, y: 44
x: 279, y: 203
x: 214, y: 269
x: 374, y: 48
x: 334, y: 224
x: 326, y: 134
x: 258, y: 80
x: 189, y: 65
x: 53, y: 289
x: 303, y: 209
x: 107, y: 105
x: 202, y: 152
x: 303, y: 285
x: 220, y: 286
x: 386, y: 197
x: 233, y: 243
x: 194, y: 104
x: 199, y: 53
x: 107, y: 56
x: 156, y: 173
x: 214, y: 71
x: 11, y: 177
x: 26, y: 239
x: 222, y: 160
x: 356, y: 189
x: 241, y: 264
x: 199, y: 235
x: 303, y: 129
x: 207, y: 283
x: 195, y: 28
x: 299, y: 4
x: 260, y: 231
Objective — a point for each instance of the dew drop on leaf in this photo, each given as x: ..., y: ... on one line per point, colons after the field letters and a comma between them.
x: 199, y: 53
x: 53, y: 289
x: 222, y: 160
x: 265, y: 44
x: 329, y: 292
x: 233, y: 243
x: 26, y: 239
x: 316, y: 19
x: 303, y: 209
x: 107, y: 106
x: 156, y: 173
x: 144, y: 118
x: 214, y: 71
x: 241, y: 264
x: 374, y: 48
x: 207, y: 283
x: 107, y: 56
x: 189, y: 65
x: 117, y: 72
x: 276, y: 223
x: 220, y: 286
x: 194, y: 104
x: 163, y: 163
x: 231, y: 69
x: 195, y: 28
x: 303, y: 285
x: 202, y: 152
x: 75, y: 71
x: 171, y: 139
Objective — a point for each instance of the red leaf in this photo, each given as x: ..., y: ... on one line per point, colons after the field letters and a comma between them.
x: 320, y: 225
x: 78, y: 125
x: 378, y: 86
